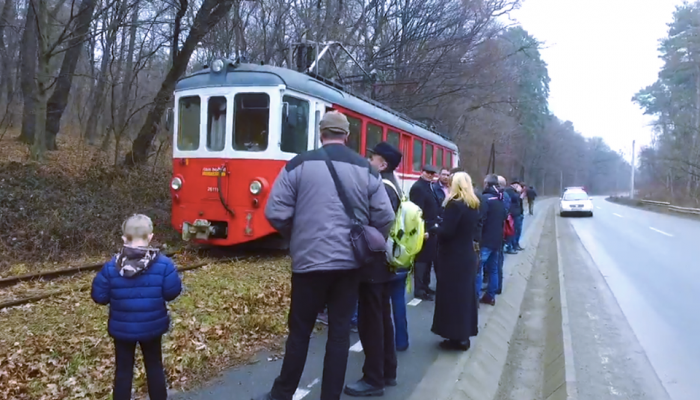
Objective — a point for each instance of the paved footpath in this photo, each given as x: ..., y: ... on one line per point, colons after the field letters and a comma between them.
x: 248, y: 381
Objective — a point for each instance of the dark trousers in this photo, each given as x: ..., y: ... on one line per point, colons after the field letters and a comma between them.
x: 531, y: 206
x: 124, y: 369
x: 377, y: 333
x: 310, y: 291
x: 423, y: 266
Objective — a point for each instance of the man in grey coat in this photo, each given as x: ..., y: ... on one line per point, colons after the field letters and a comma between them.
x: 304, y: 206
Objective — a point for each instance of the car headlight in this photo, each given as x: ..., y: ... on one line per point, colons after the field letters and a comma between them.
x: 176, y: 183
x: 255, y: 187
x: 217, y: 65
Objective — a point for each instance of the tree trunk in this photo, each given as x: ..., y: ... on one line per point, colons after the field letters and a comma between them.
x: 28, y: 72
x: 98, y: 96
x: 129, y: 73
x: 6, y: 80
x: 59, y: 98
x: 207, y: 17
x: 43, y: 78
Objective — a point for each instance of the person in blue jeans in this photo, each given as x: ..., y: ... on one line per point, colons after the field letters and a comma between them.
x: 398, y: 308
x: 494, y: 214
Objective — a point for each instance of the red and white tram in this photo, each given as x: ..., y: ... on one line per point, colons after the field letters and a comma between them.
x: 236, y: 125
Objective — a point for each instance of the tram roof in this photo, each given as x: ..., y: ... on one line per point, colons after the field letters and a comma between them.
x: 267, y: 75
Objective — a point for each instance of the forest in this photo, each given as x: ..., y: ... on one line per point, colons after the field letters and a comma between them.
x: 670, y: 167
x: 85, y: 86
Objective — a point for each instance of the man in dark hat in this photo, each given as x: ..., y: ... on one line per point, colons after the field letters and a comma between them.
x: 422, y: 195
x: 516, y: 211
x: 374, y: 317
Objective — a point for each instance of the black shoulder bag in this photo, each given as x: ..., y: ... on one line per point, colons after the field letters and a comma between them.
x: 367, y: 242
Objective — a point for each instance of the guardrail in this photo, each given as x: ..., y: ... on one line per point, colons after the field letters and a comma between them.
x: 677, y: 209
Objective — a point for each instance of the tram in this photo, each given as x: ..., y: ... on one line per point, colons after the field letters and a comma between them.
x: 235, y: 126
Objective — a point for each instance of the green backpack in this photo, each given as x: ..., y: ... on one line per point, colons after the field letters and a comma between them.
x: 406, y: 235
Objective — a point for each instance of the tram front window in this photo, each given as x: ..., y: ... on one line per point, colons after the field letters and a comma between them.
x: 295, y: 125
x: 251, y: 121
x: 216, y: 124
x: 188, y: 123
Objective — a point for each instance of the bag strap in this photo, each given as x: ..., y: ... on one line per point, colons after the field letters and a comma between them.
x: 341, y: 190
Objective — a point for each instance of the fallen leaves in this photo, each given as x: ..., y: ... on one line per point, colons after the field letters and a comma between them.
x: 58, y: 348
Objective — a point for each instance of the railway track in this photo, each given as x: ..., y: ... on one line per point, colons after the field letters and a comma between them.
x: 46, y: 276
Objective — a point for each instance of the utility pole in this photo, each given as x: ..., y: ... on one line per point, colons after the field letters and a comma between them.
x: 632, y: 180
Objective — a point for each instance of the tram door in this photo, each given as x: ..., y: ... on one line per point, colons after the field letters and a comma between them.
x: 317, y: 110
x: 406, y: 164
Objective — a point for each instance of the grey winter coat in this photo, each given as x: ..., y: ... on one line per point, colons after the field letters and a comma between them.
x: 304, y: 206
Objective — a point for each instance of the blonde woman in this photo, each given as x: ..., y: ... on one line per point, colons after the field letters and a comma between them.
x: 455, y: 317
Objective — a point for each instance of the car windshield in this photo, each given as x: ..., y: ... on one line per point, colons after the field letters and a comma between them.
x: 573, y: 196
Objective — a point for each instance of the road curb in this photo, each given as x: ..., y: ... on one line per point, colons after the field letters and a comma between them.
x: 475, y: 375
x: 559, y: 370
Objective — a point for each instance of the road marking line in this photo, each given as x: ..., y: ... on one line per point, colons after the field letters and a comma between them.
x: 618, y: 215
x: 301, y: 393
x: 598, y: 208
x: 414, y: 302
x: 357, y: 347
x: 660, y: 231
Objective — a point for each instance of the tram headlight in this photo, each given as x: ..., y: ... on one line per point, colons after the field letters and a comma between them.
x: 176, y: 183
x: 255, y: 187
x: 217, y: 65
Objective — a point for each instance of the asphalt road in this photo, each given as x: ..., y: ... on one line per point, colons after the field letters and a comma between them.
x: 252, y: 380
x: 647, y: 261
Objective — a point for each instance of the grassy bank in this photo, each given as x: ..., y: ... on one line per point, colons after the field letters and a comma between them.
x: 59, y: 348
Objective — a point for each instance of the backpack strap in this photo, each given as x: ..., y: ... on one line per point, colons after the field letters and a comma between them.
x: 399, y: 195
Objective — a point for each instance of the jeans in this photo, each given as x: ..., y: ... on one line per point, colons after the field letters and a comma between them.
x: 310, y: 291
x: 518, y: 225
x: 124, y: 369
x: 377, y: 333
x: 501, y: 260
x: 353, y: 321
x: 488, y: 265
x: 398, y: 305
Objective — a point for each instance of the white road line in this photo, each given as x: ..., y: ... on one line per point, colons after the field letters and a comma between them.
x: 301, y: 393
x: 414, y: 302
x: 598, y: 208
x: 357, y: 347
x: 618, y: 215
x: 661, y: 232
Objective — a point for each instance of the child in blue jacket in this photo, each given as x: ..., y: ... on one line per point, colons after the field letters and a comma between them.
x: 136, y: 284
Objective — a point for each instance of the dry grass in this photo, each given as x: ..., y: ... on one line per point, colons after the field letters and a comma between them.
x: 70, y: 207
x: 59, y: 348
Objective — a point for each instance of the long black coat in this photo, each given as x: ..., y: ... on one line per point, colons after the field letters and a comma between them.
x: 456, y: 314
x: 421, y: 194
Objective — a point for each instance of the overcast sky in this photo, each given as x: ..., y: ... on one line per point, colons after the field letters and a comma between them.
x: 599, y: 54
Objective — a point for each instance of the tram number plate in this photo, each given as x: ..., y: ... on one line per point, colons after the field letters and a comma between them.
x: 212, y: 172
x: 212, y: 189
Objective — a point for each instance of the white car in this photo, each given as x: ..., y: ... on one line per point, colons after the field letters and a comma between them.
x: 575, y: 202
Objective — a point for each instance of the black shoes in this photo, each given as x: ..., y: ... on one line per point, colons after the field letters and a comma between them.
x: 455, y: 345
x: 425, y: 296
x: 363, y: 389
x: 390, y: 382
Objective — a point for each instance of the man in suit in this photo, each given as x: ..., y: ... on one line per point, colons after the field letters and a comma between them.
x: 422, y: 195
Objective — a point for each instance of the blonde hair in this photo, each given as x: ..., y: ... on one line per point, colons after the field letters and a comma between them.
x: 461, y: 189
x: 137, y: 227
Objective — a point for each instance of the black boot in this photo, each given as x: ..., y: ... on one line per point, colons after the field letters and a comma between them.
x: 363, y: 389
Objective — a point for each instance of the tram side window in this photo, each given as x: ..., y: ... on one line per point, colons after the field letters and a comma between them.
x: 188, y: 123
x: 438, y: 158
x: 393, y: 138
x: 355, y: 133
x: 295, y: 125
x: 429, y: 154
x: 417, y: 155
x: 448, y: 159
x: 216, y: 123
x: 251, y: 121
x: 374, y: 135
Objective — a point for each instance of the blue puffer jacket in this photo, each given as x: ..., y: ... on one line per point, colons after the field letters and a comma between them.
x: 137, y: 304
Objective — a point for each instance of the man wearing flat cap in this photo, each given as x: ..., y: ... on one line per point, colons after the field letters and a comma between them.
x: 422, y: 195
x: 374, y: 316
